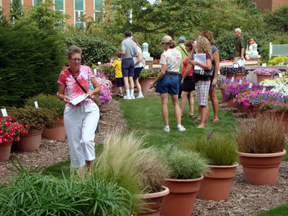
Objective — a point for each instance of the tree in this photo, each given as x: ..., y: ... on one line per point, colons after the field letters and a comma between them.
x: 277, y: 20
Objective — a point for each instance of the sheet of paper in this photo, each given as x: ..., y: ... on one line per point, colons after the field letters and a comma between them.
x: 241, y: 62
x: 79, y: 99
x: 199, y: 58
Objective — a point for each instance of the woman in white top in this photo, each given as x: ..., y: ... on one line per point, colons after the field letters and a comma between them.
x: 249, y: 48
x: 137, y: 69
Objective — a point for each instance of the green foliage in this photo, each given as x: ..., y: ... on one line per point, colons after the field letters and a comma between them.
x: 279, y: 60
x: 135, y: 168
x: 184, y: 164
x: 94, y: 49
x: 36, y: 194
x: 16, y: 10
x: 31, y: 67
x: 147, y: 73
x: 279, y: 211
x: 35, y: 118
x: 50, y: 102
x: 277, y: 20
x: 219, y: 149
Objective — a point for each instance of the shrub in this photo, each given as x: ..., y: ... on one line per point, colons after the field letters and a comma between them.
x: 279, y: 60
x: 219, y: 150
x: 50, y: 102
x: 35, y: 118
x: 94, y: 49
x: 147, y: 73
x: 184, y: 164
x: 265, y: 135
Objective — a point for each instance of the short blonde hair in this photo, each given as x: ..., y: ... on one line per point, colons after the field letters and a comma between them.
x: 238, y: 30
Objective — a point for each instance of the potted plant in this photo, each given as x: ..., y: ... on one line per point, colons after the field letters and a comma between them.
x: 264, y: 73
x: 221, y: 154
x: 135, y: 168
x: 260, y: 149
x: 51, y: 102
x: 10, y: 131
x: 37, y: 119
x: 105, y: 94
x: 237, y: 73
x: 146, y: 77
x: 184, y: 181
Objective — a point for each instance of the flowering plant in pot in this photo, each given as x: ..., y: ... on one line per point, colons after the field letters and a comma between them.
x: 108, y: 70
x: 105, y: 94
x: 231, y: 70
x: 147, y: 73
x: 266, y: 71
x: 220, y: 152
x: 11, y: 131
x: 277, y: 81
x: 186, y: 168
x: 260, y: 149
x: 135, y: 168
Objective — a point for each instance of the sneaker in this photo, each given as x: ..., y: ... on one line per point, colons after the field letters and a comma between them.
x: 121, y: 95
x: 132, y: 97
x: 166, y: 128
x: 127, y: 97
x: 140, y: 96
x: 181, y: 128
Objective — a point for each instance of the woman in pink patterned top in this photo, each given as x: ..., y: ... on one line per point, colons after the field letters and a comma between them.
x: 80, y: 120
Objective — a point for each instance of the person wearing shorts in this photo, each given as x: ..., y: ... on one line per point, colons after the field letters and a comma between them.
x: 203, y: 83
x: 138, y: 68
x: 168, y: 81
x: 118, y: 73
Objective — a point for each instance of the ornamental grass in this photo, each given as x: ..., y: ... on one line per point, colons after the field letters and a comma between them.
x: 262, y: 136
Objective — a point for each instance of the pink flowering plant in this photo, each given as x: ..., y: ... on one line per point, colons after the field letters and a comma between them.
x: 243, y: 98
x: 266, y: 71
x: 105, y: 94
x: 11, y: 131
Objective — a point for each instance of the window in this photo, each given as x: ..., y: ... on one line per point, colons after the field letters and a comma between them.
x: 79, y: 12
x: 59, y: 6
x: 36, y: 2
x: 98, y: 6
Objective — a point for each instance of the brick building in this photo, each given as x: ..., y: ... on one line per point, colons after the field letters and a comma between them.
x: 269, y: 4
x: 74, y: 8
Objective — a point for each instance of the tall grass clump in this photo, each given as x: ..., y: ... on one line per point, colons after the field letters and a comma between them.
x: 32, y: 194
x: 184, y: 164
x: 134, y: 167
x: 219, y: 149
x: 264, y: 135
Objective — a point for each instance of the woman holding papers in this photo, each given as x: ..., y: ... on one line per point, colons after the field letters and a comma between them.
x: 81, y: 114
x: 202, y: 83
x: 168, y: 81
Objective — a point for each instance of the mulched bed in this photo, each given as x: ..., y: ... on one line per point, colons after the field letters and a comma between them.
x: 245, y: 199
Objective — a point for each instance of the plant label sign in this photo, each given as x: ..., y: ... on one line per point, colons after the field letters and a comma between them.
x: 263, y: 90
x: 240, y: 81
x: 250, y: 85
x: 95, y: 71
x: 232, y: 79
x: 235, y: 65
x: 36, y: 104
x: 263, y: 64
x: 4, y: 113
x: 280, y: 75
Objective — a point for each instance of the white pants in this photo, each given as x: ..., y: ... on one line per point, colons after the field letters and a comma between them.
x: 80, y: 125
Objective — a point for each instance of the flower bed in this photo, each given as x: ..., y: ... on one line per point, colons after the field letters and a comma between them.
x: 105, y: 94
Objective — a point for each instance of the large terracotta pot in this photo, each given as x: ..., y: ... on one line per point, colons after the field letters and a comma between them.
x: 253, y: 111
x: 29, y: 142
x: 145, y: 84
x: 236, y: 76
x: 231, y: 103
x: 241, y: 108
x: 180, y: 200
x: 56, y: 133
x: 262, y: 77
x: 261, y: 169
x: 5, y: 150
x: 217, y: 184
x: 154, y: 202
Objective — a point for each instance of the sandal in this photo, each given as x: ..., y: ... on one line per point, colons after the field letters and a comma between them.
x: 215, y: 120
x: 190, y: 115
x: 197, y: 120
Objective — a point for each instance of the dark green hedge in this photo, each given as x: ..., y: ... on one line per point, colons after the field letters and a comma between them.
x: 94, y: 49
x: 30, y: 63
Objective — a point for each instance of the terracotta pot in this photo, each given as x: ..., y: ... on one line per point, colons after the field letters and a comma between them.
x: 261, y: 169
x: 236, y: 76
x: 30, y: 142
x: 56, y: 133
x: 241, y: 108
x: 154, y: 202
x: 262, y: 77
x: 217, y: 184
x: 253, y: 111
x: 180, y: 200
x: 145, y: 84
x: 5, y: 150
x: 231, y: 103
